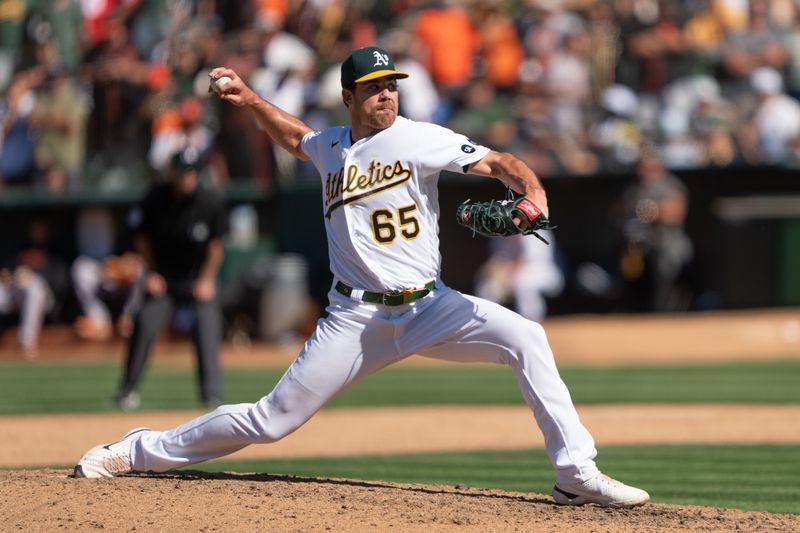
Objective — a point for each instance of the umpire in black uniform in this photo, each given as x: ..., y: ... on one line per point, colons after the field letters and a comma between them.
x: 178, y: 228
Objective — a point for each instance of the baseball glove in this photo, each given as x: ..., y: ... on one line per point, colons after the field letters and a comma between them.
x: 496, y: 218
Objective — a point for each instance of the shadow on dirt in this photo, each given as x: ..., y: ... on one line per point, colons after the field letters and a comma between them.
x: 189, y: 475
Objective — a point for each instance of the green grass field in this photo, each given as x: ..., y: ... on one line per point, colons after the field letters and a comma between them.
x: 747, y: 477
x: 763, y: 478
x: 47, y: 388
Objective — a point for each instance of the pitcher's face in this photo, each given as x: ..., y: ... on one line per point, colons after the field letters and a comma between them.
x: 374, y: 103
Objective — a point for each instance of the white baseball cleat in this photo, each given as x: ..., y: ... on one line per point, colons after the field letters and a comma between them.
x: 601, y: 490
x: 108, y: 460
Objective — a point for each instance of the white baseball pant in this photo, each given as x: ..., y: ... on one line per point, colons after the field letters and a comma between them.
x: 32, y: 298
x: 87, y: 277
x: 357, y: 339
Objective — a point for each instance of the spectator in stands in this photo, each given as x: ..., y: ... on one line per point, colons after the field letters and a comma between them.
x: 654, y: 46
x: 186, y: 64
x: 775, y: 124
x: 60, y: 23
x: 544, y: 27
x: 481, y: 107
x: 617, y: 136
x: 59, y: 121
x: 691, y: 97
x: 118, y: 131
x: 500, y: 49
x: 179, y: 228
x: 285, y: 77
x: 605, y: 48
x: 712, y: 120
x: 704, y: 35
x: 17, y: 143
x: 760, y: 44
x: 793, y: 67
x: 246, y: 148
x: 140, y: 59
x: 450, y: 42
x: 567, y: 84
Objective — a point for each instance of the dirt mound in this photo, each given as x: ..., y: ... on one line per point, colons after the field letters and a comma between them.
x: 48, y: 500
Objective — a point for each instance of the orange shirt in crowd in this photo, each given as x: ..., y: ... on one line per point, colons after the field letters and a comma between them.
x: 274, y: 11
x: 451, y: 42
x: 501, y: 50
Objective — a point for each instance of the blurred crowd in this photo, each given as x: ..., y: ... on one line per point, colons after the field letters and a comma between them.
x: 101, y: 93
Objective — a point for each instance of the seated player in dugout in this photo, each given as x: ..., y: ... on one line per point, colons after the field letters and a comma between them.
x: 387, y: 300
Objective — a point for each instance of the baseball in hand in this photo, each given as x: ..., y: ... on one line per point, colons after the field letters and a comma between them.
x: 219, y: 84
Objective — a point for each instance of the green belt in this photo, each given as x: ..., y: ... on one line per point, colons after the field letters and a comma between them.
x: 389, y: 298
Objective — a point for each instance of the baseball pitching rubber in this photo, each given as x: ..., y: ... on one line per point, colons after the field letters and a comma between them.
x: 220, y: 83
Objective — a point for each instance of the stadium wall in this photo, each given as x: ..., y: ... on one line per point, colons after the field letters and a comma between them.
x: 744, y: 223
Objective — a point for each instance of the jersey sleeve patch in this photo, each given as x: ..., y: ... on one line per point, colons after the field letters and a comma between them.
x: 469, y: 158
x: 446, y: 149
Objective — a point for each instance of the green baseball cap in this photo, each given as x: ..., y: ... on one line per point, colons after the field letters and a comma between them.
x: 368, y: 64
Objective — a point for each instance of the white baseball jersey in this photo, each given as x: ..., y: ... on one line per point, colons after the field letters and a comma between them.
x: 380, y: 200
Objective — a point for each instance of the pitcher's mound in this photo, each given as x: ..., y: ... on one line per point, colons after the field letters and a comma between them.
x: 48, y: 500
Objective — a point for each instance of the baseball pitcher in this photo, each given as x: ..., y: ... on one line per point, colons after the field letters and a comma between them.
x: 387, y: 301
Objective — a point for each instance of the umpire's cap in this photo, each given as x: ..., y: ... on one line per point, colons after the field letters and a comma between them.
x: 368, y: 64
x: 188, y: 159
